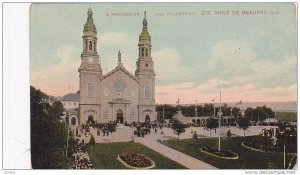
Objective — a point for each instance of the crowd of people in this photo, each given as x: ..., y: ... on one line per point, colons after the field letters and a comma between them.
x: 102, y: 128
x: 81, y: 159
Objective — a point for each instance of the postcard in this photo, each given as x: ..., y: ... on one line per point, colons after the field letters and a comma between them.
x: 201, y: 86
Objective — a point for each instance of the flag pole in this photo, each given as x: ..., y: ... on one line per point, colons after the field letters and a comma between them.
x: 220, y: 114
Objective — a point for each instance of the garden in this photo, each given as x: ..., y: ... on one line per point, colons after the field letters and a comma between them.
x: 105, y: 156
x: 248, y: 159
x: 135, y: 161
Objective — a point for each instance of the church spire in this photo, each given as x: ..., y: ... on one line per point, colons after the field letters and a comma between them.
x: 145, y: 34
x: 90, y: 14
x: 145, y: 63
x: 89, y: 25
x: 145, y: 23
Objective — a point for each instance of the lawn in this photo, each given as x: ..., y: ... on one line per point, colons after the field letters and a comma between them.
x: 104, y: 155
x: 248, y: 159
x: 286, y: 116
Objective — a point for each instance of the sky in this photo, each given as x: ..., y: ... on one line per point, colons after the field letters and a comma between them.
x: 213, y: 47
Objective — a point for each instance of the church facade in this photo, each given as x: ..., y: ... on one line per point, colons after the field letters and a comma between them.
x: 118, y: 95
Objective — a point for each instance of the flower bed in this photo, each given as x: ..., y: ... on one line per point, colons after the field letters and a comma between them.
x: 265, y: 144
x: 135, y: 161
x: 224, y: 154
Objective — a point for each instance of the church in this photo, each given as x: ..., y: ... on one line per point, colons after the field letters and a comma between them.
x: 117, y: 95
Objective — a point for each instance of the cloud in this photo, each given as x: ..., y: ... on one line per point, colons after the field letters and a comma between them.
x: 207, y: 91
x: 233, y: 55
x: 55, y: 80
x: 233, y: 68
x: 168, y: 66
x: 234, y: 62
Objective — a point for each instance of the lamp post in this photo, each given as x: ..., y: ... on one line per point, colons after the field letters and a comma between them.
x: 283, y: 156
x: 214, y: 108
x: 220, y: 114
x: 196, y: 112
x: 163, y: 114
x: 67, y: 123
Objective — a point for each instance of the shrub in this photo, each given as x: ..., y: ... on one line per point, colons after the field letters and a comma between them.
x: 195, y: 135
x: 92, y: 140
x: 229, y: 134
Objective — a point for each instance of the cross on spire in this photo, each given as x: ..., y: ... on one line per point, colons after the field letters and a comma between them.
x: 145, y: 21
x: 119, y: 58
x: 90, y: 14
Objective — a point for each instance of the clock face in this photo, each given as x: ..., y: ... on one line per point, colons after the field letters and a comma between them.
x: 91, y: 60
x: 119, y: 86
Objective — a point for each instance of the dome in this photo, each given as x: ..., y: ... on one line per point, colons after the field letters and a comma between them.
x: 145, y: 35
x: 71, y: 97
x: 90, y: 26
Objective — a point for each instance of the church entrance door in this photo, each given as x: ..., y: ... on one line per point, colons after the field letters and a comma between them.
x: 91, y: 119
x: 73, y: 121
x: 147, y: 119
x: 120, y: 118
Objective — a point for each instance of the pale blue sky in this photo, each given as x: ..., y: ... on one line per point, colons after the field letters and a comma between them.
x: 252, y: 56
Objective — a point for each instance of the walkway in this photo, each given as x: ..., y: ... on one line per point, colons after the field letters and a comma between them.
x: 179, y: 157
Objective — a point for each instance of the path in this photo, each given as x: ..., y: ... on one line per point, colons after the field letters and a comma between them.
x: 179, y: 157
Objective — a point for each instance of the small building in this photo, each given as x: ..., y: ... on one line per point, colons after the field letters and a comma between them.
x: 73, y: 117
x: 202, y: 121
x: 70, y: 101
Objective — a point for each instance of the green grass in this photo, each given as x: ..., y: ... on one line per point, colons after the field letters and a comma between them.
x: 104, y: 155
x: 286, y: 116
x: 248, y: 159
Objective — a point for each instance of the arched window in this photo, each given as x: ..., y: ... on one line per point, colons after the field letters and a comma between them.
x: 73, y: 121
x: 90, y: 45
x: 146, y: 53
x: 147, y: 92
x: 90, y: 90
x: 140, y: 52
x: 86, y: 45
x: 94, y: 46
x: 143, y: 52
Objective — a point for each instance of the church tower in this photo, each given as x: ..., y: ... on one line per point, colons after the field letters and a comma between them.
x: 89, y: 73
x: 146, y: 75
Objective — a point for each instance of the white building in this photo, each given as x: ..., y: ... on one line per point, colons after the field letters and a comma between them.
x: 70, y: 101
x: 118, y: 95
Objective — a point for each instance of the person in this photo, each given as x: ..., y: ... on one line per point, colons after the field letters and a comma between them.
x: 162, y: 136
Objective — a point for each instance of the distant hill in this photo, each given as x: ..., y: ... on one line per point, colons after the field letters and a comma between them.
x: 287, y: 106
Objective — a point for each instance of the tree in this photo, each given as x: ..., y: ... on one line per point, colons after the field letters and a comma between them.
x: 244, y: 123
x: 48, y: 134
x: 170, y: 111
x: 56, y: 109
x: 229, y: 133
x: 236, y: 111
x: 178, y: 127
x: 92, y: 140
x: 212, y: 123
x: 259, y: 113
